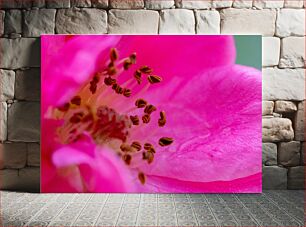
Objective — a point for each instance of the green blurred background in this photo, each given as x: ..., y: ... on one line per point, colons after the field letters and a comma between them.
x: 248, y: 50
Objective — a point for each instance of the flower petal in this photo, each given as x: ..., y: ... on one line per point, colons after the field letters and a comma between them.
x: 215, y: 120
x: 68, y: 67
x: 102, y: 172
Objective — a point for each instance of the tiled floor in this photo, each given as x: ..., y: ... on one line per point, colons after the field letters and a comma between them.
x: 272, y: 208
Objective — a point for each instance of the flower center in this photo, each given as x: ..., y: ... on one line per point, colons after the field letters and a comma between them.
x: 90, y: 111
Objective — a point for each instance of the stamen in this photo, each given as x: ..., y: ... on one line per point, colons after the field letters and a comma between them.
x: 111, y: 69
x: 165, y: 141
x: 146, y: 118
x: 133, y: 58
x: 76, y: 118
x: 93, y: 87
x: 135, y: 120
x: 162, y: 119
x: 149, y: 109
x: 114, y: 54
x: 136, y: 145
x: 125, y: 147
x: 76, y: 100
x: 140, y: 103
x: 96, y: 78
x: 64, y: 108
x: 147, y: 146
x: 127, y: 159
x: 142, y: 177
x: 145, y: 69
x: 127, y: 64
x: 149, y: 156
x: 153, y: 79
x: 119, y: 90
x: 137, y: 76
x: 109, y: 81
x: 127, y: 92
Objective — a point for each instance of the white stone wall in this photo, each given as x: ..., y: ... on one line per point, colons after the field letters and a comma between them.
x: 281, y: 22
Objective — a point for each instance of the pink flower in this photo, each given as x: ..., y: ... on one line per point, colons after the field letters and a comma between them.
x: 195, y: 126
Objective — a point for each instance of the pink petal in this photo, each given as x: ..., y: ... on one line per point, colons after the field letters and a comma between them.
x: 102, y: 172
x: 215, y: 120
x: 65, y: 69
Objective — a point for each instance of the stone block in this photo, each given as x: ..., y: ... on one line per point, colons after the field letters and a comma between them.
x: 39, y: 21
x: 296, y: 178
x: 285, y: 107
x: 283, y: 84
x: 289, y: 153
x: 299, y: 122
x: 25, y: 180
x: 192, y: 4
x: 55, y: 4
x: 7, y: 81
x: 248, y: 21
x: 159, y: 4
x: 267, y: 107
x: 2, y: 15
x: 242, y: 4
x: 177, y: 21
x: 81, y: 21
x: 38, y: 3
x: 274, y: 177
x: 3, y: 121
x: 13, y: 21
x: 221, y: 3
x: 99, y: 3
x: 133, y: 21
x: 290, y: 22
x: 208, y: 22
x: 20, y: 53
x: 14, y: 155
x: 277, y: 129
x: 293, y: 4
x: 269, y: 154
x: 271, y: 51
x: 33, y: 154
x: 293, y: 52
x: 27, y: 86
x: 126, y: 4
x: 261, y: 4
x: 15, y: 4
x: 24, y: 122
x: 80, y: 3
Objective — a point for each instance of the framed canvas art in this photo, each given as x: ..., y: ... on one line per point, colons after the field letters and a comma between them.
x: 151, y: 114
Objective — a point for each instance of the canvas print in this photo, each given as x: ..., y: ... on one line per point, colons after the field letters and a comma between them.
x: 150, y: 114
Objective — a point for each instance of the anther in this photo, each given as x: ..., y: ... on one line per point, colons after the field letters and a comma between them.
x: 141, y: 103
x: 119, y: 90
x: 145, y: 69
x: 64, y: 108
x: 76, y: 118
x: 149, y: 109
x: 96, y: 78
x: 165, y: 141
x: 127, y: 92
x: 111, y: 69
x: 142, y: 177
x: 125, y: 147
x: 154, y: 79
x: 133, y: 58
x: 127, y: 64
x: 137, y: 76
x: 93, y: 87
x: 136, y: 145
x: 162, y: 119
x: 109, y: 81
x: 127, y: 159
x: 76, y: 100
x: 114, y: 54
x: 147, y: 146
x: 134, y: 120
x: 146, y: 118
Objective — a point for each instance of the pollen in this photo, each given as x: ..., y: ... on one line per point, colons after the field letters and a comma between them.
x: 146, y: 118
x: 145, y: 70
x: 165, y: 141
x: 153, y: 79
x: 141, y: 103
x: 142, y: 177
x: 134, y: 120
x: 162, y: 119
x: 149, y: 109
x: 136, y: 145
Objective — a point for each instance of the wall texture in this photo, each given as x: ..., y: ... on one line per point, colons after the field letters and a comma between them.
x: 281, y: 22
